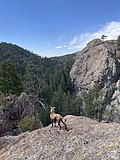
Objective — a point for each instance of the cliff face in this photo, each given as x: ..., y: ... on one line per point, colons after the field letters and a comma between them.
x: 96, y: 63
x: 99, y: 63
x: 85, y: 139
x: 16, y: 109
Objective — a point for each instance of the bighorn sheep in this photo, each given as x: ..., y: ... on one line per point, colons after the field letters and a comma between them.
x: 56, y: 118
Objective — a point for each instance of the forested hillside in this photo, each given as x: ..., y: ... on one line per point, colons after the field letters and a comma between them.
x: 45, y: 78
x: 90, y: 90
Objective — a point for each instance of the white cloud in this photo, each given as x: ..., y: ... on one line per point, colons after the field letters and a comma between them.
x: 60, y: 47
x: 111, y: 30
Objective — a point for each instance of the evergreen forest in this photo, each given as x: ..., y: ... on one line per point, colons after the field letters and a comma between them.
x: 42, y: 78
x: 46, y: 80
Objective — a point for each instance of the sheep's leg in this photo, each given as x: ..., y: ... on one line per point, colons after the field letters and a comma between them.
x: 59, y: 124
x: 52, y: 122
x: 55, y: 122
x: 64, y: 124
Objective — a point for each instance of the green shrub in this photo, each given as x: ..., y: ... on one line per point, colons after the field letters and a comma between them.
x: 26, y: 124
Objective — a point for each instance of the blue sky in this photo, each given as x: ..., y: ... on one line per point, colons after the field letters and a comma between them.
x: 57, y: 27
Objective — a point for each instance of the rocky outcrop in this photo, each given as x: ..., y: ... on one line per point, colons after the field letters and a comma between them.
x: 98, y: 64
x: 85, y: 139
x: 95, y: 63
x: 16, y: 109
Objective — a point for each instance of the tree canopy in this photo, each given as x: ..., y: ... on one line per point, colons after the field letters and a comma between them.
x: 10, y: 82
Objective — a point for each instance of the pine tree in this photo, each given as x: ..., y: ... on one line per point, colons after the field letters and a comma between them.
x: 103, y: 37
x: 91, y: 101
x: 78, y: 103
x: 10, y: 82
x: 118, y: 43
x: 68, y: 107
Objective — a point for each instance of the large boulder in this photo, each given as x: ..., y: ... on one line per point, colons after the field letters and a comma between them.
x: 97, y: 64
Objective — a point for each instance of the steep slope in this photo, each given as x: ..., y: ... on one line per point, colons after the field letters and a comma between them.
x: 85, y: 140
x: 32, y: 67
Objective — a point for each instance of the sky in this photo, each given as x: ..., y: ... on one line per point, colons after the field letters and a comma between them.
x: 57, y: 27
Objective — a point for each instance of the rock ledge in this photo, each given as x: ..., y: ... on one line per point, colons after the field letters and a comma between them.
x: 85, y: 140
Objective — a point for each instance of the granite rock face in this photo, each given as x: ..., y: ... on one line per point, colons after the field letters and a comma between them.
x: 95, y: 63
x: 98, y: 63
x: 85, y: 139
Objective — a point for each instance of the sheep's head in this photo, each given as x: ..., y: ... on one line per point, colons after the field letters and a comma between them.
x: 52, y: 109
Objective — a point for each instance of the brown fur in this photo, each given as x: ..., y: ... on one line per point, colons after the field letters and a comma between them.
x: 56, y: 118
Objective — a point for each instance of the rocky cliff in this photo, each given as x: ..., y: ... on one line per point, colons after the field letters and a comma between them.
x: 13, y: 110
x: 85, y: 139
x: 99, y: 64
